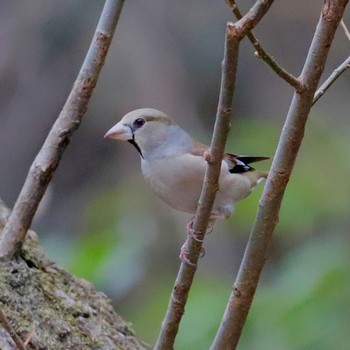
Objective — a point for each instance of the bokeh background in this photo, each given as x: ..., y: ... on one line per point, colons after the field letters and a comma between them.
x: 100, y: 221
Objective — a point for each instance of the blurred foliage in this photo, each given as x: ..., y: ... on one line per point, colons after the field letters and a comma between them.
x: 101, y: 222
x: 301, y: 301
x: 305, y: 306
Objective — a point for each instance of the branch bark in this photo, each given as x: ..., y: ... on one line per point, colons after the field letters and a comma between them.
x: 255, y: 255
x: 332, y: 78
x: 48, y: 158
x: 176, y: 307
x: 261, y: 53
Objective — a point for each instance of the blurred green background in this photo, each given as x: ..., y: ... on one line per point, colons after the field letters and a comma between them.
x: 101, y: 222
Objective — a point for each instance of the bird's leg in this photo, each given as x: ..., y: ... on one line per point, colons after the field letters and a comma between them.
x: 184, y: 249
x: 184, y: 252
x: 209, y: 230
x: 210, y: 226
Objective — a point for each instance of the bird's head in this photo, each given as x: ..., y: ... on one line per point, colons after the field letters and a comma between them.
x: 151, y: 131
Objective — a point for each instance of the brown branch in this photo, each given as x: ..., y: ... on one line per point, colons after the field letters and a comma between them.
x: 252, y: 17
x: 261, y: 53
x: 47, y: 160
x: 176, y: 307
x: 7, y: 325
x: 336, y: 73
x: 187, y: 271
x: 255, y: 255
x: 332, y: 78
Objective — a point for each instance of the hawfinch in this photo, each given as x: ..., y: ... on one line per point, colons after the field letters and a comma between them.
x: 173, y: 163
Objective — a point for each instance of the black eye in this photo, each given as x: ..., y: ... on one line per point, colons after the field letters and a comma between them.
x: 139, y: 122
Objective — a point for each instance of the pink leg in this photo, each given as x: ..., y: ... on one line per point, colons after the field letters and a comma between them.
x: 183, y: 254
x: 184, y: 251
x: 191, y: 233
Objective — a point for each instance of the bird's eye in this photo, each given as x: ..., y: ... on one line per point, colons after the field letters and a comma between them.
x: 139, y: 122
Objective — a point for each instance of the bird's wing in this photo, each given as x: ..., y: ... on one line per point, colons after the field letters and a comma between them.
x: 239, y: 164
x: 236, y: 164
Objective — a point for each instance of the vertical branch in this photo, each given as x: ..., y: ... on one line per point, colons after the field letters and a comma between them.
x: 176, y: 307
x: 255, y: 255
x: 47, y: 160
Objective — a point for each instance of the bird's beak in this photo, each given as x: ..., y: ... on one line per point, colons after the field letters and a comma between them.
x: 120, y: 132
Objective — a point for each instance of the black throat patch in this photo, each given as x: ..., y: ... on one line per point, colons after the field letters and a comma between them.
x: 133, y: 142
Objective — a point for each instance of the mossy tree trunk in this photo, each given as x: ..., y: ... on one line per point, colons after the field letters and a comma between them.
x: 55, y: 309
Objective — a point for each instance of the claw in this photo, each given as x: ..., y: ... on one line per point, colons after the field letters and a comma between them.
x: 183, y: 255
x: 191, y: 233
x: 209, y: 230
x: 184, y: 252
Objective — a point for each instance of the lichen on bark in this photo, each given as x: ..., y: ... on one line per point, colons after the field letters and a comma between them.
x: 61, y: 311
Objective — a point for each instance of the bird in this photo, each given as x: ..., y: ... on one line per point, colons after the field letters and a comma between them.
x: 174, y: 164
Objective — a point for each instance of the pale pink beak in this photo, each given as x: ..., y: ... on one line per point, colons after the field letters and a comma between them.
x: 120, y: 132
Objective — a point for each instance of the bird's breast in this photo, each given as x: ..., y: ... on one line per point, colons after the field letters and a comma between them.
x: 177, y: 180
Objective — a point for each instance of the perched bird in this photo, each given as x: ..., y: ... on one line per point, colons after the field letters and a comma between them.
x: 173, y: 163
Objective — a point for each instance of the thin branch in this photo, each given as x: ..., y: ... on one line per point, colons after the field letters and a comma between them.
x: 255, y: 255
x: 176, y: 307
x: 261, y: 53
x: 187, y: 271
x: 5, y: 322
x: 47, y: 160
x: 345, y: 28
x: 332, y: 78
x: 336, y: 73
x: 252, y: 17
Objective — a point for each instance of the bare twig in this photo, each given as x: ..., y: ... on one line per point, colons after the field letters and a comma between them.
x: 261, y: 53
x: 176, y: 307
x: 336, y: 73
x: 345, y: 28
x: 186, y: 273
x: 255, y: 255
x: 332, y: 78
x: 68, y: 121
x: 5, y: 322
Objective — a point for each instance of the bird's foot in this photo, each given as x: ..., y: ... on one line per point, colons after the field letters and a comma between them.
x: 191, y: 233
x: 209, y: 230
x: 184, y: 254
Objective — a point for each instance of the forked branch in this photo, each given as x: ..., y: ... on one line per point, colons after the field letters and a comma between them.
x: 261, y: 53
x: 336, y: 73
x: 331, y: 80
x: 255, y: 255
x: 176, y: 307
